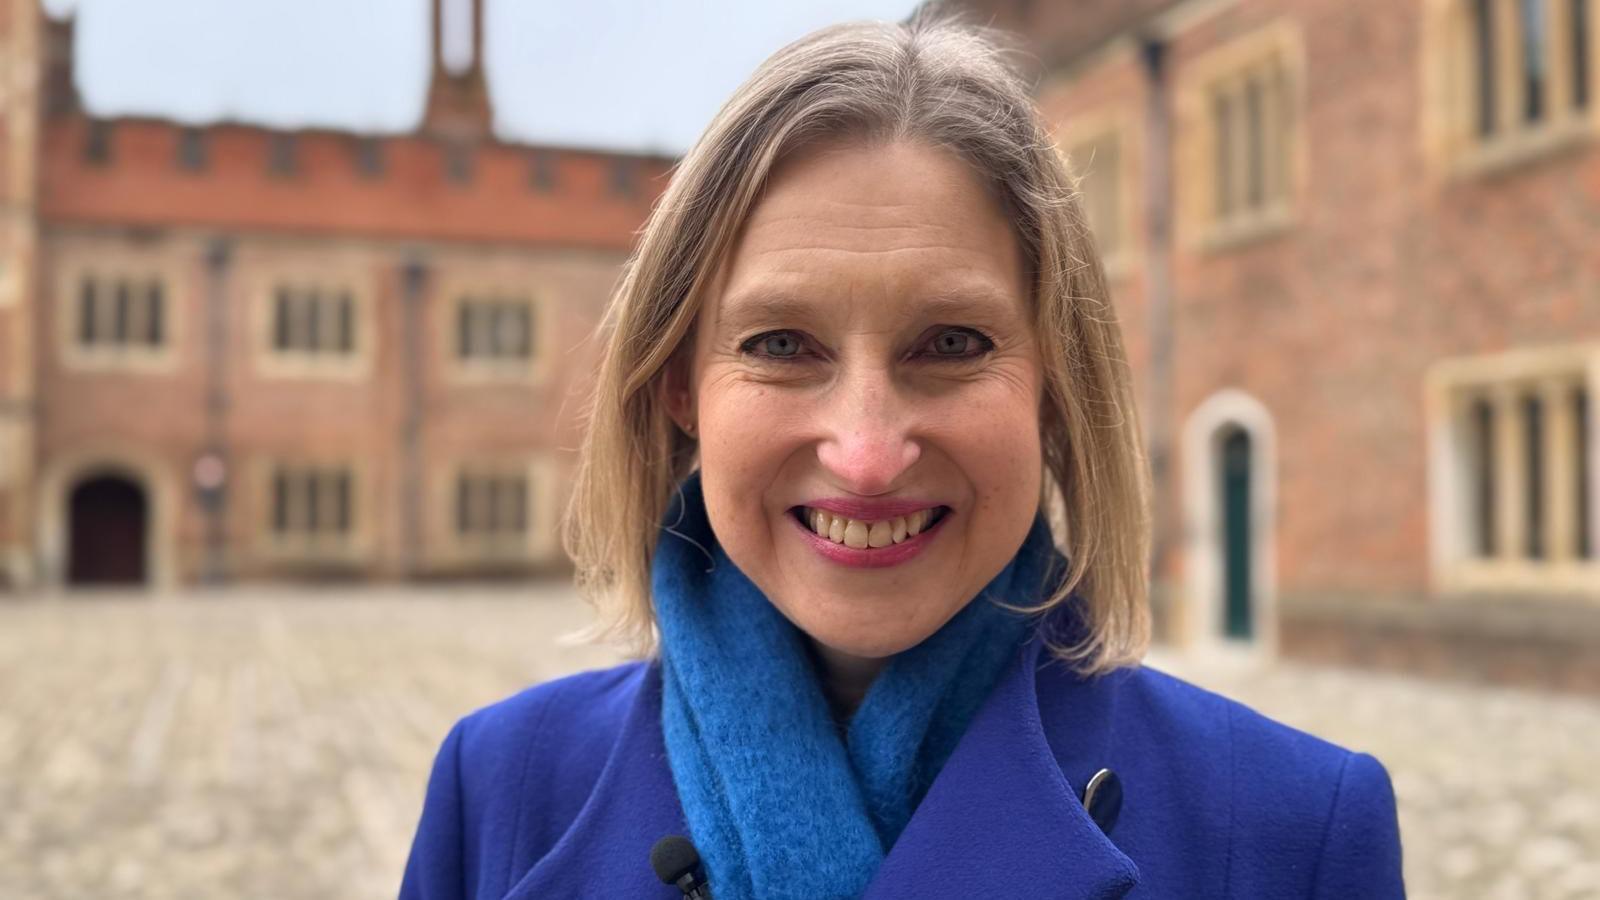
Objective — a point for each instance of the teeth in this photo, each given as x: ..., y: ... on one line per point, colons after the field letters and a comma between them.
x: 880, y: 535
x: 859, y: 535
x: 855, y: 535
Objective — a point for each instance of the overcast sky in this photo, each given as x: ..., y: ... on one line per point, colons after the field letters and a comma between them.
x: 618, y: 74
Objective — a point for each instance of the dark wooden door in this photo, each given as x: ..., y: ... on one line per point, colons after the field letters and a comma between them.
x: 109, y: 518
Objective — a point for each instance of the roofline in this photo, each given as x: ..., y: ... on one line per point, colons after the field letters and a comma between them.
x: 491, y: 140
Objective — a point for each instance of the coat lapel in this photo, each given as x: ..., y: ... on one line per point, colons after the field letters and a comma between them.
x: 1000, y: 819
x: 606, y: 852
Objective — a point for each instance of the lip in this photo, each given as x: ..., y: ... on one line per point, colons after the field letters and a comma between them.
x: 882, y: 557
x: 870, y: 510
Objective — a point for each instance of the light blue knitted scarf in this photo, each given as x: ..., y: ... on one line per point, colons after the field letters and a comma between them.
x: 777, y: 804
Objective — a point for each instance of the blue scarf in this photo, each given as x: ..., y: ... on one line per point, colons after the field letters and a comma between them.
x: 777, y: 803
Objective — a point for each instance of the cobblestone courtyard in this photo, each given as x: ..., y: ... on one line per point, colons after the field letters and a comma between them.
x: 274, y: 745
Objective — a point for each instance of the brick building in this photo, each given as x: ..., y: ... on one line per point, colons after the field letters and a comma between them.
x: 232, y: 352
x: 1356, y: 249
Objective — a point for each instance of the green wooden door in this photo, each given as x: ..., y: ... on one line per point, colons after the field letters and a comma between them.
x: 1236, y: 535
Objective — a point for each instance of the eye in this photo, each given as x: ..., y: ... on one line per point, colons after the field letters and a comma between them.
x: 958, y: 343
x: 775, y: 345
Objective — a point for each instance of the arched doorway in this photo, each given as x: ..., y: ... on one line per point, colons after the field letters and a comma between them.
x: 1234, y: 502
x: 1230, y: 545
x: 108, y: 526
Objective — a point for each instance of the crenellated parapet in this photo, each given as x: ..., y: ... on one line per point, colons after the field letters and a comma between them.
x: 419, y: 186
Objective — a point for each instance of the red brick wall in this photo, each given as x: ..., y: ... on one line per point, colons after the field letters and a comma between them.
x: 161, y: 416
x: 1331, y: 323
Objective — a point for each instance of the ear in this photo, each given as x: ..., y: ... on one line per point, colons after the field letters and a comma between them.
x: 677, y: 393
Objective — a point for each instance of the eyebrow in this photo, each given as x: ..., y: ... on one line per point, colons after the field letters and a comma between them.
x: 762, y: 305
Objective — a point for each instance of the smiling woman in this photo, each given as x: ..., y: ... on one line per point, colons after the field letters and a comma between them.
x: 862, y: 358
x: 858, y: 399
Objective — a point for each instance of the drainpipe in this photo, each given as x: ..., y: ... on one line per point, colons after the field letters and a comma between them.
x: 1158, y: 285
x: 414, y: 276
x: 211, y: 469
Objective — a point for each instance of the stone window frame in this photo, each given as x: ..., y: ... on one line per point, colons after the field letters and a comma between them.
x: 538, y: 544
x: 1451, y: 391
x: 1277, y: 47
x: 529, y: 371
x: 1452, y: 97
x: 108, y: 266
x: 263, y: 285
x: 1093, y: 128
x: 352, y: 545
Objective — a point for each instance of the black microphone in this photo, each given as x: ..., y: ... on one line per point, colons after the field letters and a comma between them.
x: 677, y: 863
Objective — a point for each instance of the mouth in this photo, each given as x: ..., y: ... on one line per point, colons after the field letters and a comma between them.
x: 869, y: 536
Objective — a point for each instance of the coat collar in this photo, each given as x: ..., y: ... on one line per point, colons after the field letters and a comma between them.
x: 1000, y: 819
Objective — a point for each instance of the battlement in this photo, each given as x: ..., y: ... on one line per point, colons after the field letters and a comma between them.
x: 157, y: 173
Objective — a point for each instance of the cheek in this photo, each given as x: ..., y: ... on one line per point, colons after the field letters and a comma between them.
x: 746, y: 434
x: 1000, y: 447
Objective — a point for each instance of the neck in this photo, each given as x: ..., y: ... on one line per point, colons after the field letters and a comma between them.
x: 845, y: 678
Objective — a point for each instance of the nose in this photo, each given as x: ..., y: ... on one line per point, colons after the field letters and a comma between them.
x: 868, y: 441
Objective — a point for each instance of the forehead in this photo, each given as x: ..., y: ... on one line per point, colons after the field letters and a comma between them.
x: 896, y: 228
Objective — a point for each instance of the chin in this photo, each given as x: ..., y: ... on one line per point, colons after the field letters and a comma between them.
x: 885, y: 634
x: 868, y: 646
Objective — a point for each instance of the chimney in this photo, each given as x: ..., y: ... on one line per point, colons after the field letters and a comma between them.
x: 458, y: 93
x: 60, y: 91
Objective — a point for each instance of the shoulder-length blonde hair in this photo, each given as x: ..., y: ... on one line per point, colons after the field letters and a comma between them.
x: 932, y: 79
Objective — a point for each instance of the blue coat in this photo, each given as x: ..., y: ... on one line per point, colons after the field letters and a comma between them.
x: 561, y: 790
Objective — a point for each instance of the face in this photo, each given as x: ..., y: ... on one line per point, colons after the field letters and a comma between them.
x: 865, y: 385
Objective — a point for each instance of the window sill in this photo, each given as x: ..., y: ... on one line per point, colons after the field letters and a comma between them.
x: 480, y: 371
x: 510, y: 547
x: 313, y: 367
x: 119, y: 359
x: 314, y: 551
x: 1513, y: 151
x: 475, y: 554
x: 1243, y: 230
x: 1578, y: 579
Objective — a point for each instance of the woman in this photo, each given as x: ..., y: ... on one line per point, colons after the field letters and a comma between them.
x: 862, y: 359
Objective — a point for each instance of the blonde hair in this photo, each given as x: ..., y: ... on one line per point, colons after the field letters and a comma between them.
x: 933, y: 79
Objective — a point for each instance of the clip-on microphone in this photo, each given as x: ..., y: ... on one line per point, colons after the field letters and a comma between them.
x: 677, y: 863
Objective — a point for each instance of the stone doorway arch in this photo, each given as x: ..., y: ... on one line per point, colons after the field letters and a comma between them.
x: 107, y: 473
x: 1230, y: 545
